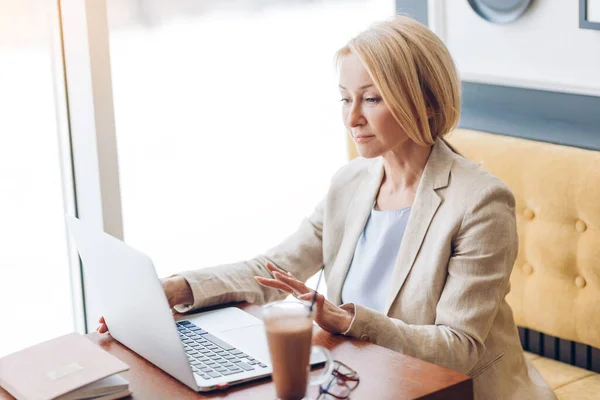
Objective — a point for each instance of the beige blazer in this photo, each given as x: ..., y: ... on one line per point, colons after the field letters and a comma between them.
x: 446, y: 299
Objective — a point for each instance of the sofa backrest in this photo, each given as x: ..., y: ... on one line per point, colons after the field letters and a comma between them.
x: 555, y: 283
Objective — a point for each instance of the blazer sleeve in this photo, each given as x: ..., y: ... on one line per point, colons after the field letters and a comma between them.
x: 485, y: 249
x: 301, y: 254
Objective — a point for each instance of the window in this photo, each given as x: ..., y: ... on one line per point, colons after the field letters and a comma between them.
x: 228, y: 121
x: 35, y: 291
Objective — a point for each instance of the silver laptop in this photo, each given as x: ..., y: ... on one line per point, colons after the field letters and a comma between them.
x: 205, y: 351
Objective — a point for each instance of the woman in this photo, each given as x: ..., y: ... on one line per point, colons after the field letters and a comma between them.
x: 417, y: 242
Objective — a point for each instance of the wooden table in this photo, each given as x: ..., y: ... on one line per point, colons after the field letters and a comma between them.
x: 384, y: 374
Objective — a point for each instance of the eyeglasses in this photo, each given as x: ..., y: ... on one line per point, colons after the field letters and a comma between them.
x: 342, y: 383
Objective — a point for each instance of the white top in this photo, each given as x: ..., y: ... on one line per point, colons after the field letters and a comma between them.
x: 374, y: 258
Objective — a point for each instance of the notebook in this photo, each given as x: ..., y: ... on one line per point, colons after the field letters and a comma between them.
x: 112, y: 387
x: 68, y: 367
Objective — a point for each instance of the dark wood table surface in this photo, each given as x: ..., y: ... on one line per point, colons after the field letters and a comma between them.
x: 384, y: 374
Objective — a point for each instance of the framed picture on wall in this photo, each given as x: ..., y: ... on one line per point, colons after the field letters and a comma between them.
x: 589, y: 14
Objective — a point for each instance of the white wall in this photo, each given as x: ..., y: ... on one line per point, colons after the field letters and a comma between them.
x: 544, y: 49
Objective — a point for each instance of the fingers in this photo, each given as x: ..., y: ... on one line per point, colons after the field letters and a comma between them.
x: 309, y: 296
x: 294, y: 285
x: 306, y: 296
x: 102, y: 328
x: 275, y: 284
x: 292, y: 282
x: 272, y: 268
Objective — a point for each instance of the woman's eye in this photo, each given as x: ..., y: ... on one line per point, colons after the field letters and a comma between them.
x: 373, y: 100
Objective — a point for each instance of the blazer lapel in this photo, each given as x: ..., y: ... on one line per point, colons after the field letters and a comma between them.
x: 356, y: 219
x: 426, y: 203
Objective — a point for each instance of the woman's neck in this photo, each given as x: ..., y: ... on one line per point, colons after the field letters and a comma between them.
x: 404, y: 166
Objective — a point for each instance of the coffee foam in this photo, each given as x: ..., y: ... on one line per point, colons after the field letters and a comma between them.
x: 289, y: 323
x: 288, y: 317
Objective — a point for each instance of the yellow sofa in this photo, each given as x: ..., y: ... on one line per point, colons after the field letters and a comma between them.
x: 555, y: 284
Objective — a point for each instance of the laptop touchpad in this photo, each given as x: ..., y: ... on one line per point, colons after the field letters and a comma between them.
x: 223, y: 319
x: 252, y: 339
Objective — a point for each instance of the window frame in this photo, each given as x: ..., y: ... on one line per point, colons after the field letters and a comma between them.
x: 88, y: 140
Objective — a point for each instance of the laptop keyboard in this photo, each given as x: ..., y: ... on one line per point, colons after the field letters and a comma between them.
x: 210, y: 357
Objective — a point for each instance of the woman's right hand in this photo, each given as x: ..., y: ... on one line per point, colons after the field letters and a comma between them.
x: 102, y: 328
x: 177, y: 290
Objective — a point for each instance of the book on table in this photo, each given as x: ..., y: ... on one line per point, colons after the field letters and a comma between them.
x: 68, y: 367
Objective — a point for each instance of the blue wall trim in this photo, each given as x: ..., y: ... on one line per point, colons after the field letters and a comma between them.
x: 546, y: 116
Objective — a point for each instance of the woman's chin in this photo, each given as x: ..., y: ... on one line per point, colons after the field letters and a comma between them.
x: 367, y: 153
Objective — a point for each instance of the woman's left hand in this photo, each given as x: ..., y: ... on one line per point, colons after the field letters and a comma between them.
x: 328, y: 316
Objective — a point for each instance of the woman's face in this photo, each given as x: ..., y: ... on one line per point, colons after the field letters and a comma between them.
x: 370, y: 121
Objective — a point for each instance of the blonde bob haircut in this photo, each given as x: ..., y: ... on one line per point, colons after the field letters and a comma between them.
x: 415, y: 74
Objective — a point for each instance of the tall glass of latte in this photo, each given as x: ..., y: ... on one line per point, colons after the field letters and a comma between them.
x: 289, y: 333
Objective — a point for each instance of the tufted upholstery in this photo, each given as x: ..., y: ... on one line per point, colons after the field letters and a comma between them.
x: 555, y: 284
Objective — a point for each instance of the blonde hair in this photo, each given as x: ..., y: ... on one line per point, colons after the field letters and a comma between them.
x: 415, y: 74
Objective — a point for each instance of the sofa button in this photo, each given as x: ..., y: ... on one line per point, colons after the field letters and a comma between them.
x: 528, y: 214
x: 528, y: 269
x: 580, y: 282
x: 365, y: 338
x: 580, y: 226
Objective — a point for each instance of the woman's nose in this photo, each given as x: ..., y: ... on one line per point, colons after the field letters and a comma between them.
x: 355, y: 117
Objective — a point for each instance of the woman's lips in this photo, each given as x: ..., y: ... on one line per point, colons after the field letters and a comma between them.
x: 363, y: 138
